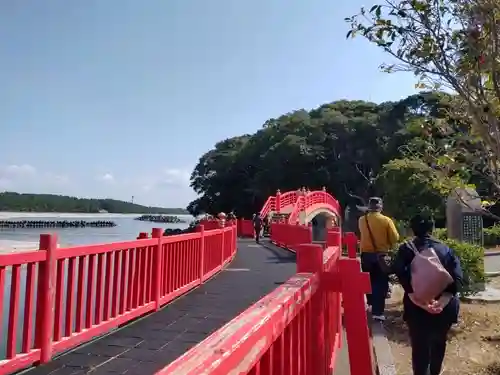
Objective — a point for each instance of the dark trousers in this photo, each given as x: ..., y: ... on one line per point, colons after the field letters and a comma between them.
x: 428, y: 346
x: 257, y: 233
x: 379, y: 281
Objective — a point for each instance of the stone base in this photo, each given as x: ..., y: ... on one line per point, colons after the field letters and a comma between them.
x: 489, y: 294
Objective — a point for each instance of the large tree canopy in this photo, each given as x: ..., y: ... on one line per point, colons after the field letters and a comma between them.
x: 452, y: 45
x: 353, y: 148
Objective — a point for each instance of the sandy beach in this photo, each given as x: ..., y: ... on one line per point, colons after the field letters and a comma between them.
x: 12, y: 246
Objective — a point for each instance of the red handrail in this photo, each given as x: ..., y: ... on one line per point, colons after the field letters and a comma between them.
x: 296, y: 329
x: 300, y: 201
x: 269, y: 206
x: 86, y: 291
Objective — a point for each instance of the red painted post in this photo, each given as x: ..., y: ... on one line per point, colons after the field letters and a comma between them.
x: 45, y: 297
x: 157, y: 262
x: 235, y: 239
x: 310, y: 259
x: 351, y: 242
x: 354, y: 285
x: 334, y: 237
x: 278, y: 201
x: 310, y: 233
x: 239, y: 227
x: 222, y: 247
x: 201, y: 229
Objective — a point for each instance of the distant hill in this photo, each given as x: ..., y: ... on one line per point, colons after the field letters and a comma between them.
x: 10, y: 201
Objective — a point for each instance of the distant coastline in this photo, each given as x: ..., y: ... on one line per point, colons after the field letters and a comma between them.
x: 54, y: 204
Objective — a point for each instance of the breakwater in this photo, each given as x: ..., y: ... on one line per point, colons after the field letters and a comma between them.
x: 56, y: 224
x: 160, y: 219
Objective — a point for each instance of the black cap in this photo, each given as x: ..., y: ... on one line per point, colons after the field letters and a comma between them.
x: 375, y: 203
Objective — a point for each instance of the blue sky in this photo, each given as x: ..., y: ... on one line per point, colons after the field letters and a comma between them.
x: 121, y: 97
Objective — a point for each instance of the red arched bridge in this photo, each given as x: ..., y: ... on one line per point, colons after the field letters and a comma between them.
x: 200, y: 303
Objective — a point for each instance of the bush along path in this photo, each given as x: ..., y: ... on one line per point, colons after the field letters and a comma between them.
x: 490, y: 252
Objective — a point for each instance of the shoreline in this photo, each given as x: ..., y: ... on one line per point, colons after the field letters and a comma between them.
x: 15, y: 246
x: 69, y: 215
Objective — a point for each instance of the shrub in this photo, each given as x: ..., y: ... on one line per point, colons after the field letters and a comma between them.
x: 472, y: 262
x: 491, y: 236
x: 440, y: 233
x: 471, y: 259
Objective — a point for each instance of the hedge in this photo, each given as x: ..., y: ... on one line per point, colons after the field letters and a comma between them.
x: 472, y: 262
x: 471, y: 259
x: 491, y: 235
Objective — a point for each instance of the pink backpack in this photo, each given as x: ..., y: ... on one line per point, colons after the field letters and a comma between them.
x: 429, y: 278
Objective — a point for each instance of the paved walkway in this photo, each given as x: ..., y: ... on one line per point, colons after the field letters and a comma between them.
x: 492, y: 263
x: 153, y: 342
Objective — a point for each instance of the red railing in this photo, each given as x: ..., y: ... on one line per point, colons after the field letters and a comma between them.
x: 290, y: 236
x: 59, y: 298
x: 245, y: 228
x: 301, y: 200
x: 321, y: 197
x: 269, y: 206
x: 297, y: 329
x: 299, y: 206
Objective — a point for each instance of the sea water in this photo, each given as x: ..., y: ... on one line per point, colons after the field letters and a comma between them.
x: 23, y: 239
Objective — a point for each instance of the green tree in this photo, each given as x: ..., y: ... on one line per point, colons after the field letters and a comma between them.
x: 11, y: 201
x: 336, y: 145
x: 451, y: 45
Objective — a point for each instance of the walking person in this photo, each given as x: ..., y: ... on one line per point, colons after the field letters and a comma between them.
x: 422, y: 275
x: 378, y: 236
x: 257, y: 226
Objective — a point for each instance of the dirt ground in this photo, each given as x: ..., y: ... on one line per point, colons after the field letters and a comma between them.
x: 473, y: 347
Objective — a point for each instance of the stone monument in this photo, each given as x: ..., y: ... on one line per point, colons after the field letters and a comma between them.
x: 464, y: 219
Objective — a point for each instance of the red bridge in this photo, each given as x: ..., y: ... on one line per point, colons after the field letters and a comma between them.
x: 192, y: 304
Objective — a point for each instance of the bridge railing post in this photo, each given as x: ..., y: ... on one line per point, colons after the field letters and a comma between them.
x: 354, y: 285
x: 201, y: 230
x: 157, y: 261
x: 222, y: 246
x: 235, y: 238
x: 351, y: 242
x: 334, y: 237
x: 45, y: 297
x: 310, y: 260
x: 278, y: 201
x: 310, y: 233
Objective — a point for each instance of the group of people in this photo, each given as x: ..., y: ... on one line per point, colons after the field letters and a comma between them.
x: 430, y: 274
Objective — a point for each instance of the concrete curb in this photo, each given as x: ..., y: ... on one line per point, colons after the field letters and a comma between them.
x: 491, y: 253
x: 492, y: 274
x: 384, y: 360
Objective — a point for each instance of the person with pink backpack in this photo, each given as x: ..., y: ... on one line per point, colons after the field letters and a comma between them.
x: 431, y: 275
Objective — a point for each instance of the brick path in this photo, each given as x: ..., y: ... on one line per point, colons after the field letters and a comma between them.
x: 153, y: 342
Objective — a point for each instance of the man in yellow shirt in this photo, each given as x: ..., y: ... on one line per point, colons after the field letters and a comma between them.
x: 378, y: 236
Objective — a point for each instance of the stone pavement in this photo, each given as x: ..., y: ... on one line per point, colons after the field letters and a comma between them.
x: 151, y: 343
x: 492, y: 263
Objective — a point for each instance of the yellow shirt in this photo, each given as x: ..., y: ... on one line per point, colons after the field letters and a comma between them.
x: 384, y: 233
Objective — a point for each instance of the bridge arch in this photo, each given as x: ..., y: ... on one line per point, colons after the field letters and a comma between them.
x: 305, y: 207
x: 322, y: 217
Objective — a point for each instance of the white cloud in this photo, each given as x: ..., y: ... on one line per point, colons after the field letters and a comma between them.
x: 107, y: 177
x: 175, y: 177
x: 169, y: 178
x: 16, y: 171
x: 26, y: 178
x: 168, y: 187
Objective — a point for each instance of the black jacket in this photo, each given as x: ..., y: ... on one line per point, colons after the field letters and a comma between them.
x: 450, y: 261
